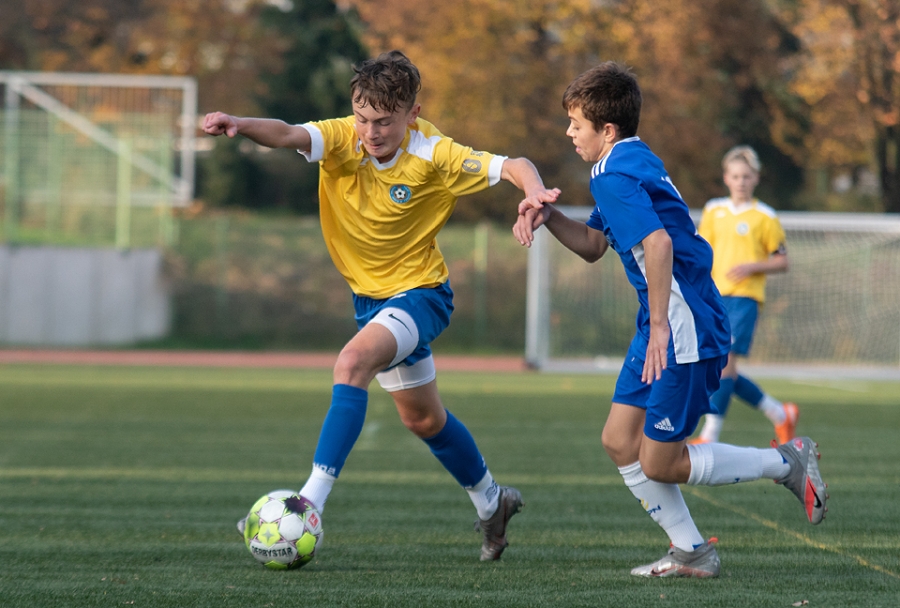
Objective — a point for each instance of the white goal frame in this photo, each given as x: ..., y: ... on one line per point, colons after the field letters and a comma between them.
x: 26, y: 85
x: 541, y: 316
x: 55, y: 123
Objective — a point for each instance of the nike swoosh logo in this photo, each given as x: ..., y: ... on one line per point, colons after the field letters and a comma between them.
x: 818, y: 502
x: 391, y: 315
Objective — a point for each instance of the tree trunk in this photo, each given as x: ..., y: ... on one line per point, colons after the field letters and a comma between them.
x: 888, y: 156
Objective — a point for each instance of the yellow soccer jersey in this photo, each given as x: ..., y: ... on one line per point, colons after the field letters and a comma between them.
x: 740, y: 235
x: 380, y: 220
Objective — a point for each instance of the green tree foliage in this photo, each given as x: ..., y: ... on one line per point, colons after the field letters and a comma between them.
x: 318, y: 43
x: 232, y: 177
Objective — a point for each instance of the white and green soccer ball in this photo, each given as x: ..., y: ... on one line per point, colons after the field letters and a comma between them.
x: 283, y: 530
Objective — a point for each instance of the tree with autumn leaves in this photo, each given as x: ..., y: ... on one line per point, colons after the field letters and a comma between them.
x: 813, y: 85
x: 849, y: 77
x: 709, y: 70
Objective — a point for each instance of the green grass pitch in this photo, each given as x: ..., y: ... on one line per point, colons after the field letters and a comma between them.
x: 121, y: 486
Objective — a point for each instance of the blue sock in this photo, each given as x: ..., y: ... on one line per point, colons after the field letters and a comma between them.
x: 747, y: 389
x: 343, y: 423
x: 455, y: 448
x: 721, y: 399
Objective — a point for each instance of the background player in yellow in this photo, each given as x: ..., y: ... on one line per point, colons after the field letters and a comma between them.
x: 388, y: 182
x: 748, y: 243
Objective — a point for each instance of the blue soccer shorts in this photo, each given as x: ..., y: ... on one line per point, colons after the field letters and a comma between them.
x: 674, y: 403
x: 425, y: 310
x: 742, y: 314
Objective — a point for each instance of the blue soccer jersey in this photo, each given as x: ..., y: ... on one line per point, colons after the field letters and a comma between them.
x: 634, y: 197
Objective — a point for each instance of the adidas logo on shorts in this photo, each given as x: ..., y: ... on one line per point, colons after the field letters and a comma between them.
x: 664, y: 425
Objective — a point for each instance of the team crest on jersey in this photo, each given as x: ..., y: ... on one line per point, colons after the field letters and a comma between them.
x: 400, y: 193
x: 471, y: 165
x: 743, y: 228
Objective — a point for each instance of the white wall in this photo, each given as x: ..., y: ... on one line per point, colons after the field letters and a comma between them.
x: 57, y: 296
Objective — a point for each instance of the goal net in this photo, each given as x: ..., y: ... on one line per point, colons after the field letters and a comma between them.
x: 94, y: 159
x: 838, y: 304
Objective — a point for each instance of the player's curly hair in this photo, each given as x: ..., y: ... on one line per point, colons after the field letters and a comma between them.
x: 388, y: 82
x: 607, y: 93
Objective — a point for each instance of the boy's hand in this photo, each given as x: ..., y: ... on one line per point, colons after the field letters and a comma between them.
x: 532, y: 215
x: 657, y: 354
x: 526, y: 224
x: 218, y: 123
x: 741, y: 272
x: 537, y: 198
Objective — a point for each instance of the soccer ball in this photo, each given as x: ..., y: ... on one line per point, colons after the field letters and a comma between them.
x: 283, y: 530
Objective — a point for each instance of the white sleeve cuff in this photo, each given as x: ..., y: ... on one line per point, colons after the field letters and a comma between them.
x: 317, y: 147
x: 495, y: 169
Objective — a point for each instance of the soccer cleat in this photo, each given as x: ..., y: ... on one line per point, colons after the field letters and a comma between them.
x: 494, y: 527
x: 698, y: 441
x: 241, y: 525
x: 785, y: 431
x: 804, y: 479
x: 702, y: 562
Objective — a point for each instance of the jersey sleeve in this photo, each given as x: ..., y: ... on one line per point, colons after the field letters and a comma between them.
x: 775, y: 237
x: 464, y: 170
x: 627, y: 209
x: 333, y: 141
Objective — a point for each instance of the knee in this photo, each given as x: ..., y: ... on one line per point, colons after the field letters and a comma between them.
x: 352, y: 368
x: 656, y: 471
x: 423, y: 424
x: 618, y: 449
x: 666, y: 471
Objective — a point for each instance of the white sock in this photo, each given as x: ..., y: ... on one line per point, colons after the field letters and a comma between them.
x: 317, y: 488
x: 773, y: 409
x: 665, y: 504
x: 485, y: 496
x: 712, y: 426
x: 716, y: 464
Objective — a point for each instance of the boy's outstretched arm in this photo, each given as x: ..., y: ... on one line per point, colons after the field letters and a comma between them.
x: 576, y: 236
x: 264, y: 131
x: 522, y: 173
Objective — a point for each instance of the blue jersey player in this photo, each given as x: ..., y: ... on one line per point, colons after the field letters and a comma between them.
x: 683, y: 337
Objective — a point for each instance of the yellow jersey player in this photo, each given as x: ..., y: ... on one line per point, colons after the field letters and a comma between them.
x: 388, y: 182
x: 748, y: 243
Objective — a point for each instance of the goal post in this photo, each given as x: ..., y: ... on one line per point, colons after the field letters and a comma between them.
x: 838, y: 304
x: 95, y: 158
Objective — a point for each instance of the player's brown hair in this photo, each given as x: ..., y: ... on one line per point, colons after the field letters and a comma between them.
x: 607, y: 93
x: 388, y: 82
